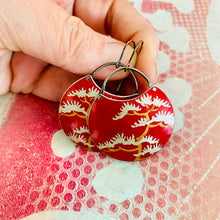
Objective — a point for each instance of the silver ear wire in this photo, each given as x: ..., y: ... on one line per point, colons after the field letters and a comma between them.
x: 122, y: 81
x: 137, y: 49
x: 138, y: 46
x: 131, y: 70
x: 118, y: 64
x: 123, y: 51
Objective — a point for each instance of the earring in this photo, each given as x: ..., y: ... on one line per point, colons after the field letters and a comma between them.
x: 77, y: 100
x: 131, y: 129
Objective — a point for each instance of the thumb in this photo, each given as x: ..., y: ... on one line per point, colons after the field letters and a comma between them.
x: 42, y: 29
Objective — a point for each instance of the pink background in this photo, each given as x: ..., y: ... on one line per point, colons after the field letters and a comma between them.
x: 38, y: 179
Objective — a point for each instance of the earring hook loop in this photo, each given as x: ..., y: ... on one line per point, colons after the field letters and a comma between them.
x: 123, y: 51
x: 140, y: 43
x: 131, y: 70
x: 137, y: 49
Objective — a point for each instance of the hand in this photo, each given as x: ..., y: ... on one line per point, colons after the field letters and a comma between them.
x: 43, y: 48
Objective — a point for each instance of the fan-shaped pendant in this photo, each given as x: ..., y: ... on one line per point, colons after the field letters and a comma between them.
x: 132, y: 129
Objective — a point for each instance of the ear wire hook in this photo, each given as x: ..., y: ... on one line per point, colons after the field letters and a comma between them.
x: 137, y: 49
x: 140, y: 43
x: 123, y: 51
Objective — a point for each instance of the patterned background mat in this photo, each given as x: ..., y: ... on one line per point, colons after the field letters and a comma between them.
x: 44, y: 176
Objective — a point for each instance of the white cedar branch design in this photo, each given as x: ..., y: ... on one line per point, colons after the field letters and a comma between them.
x: 79, y: 139
x: 161, y: 116
x: 150, y: 149
x: 81, y: 130
x: 141, y: 122
x: 166, y: 117
x: 149, y: 139
x: 68, y: 107
x: 159, y: 102
x: 126, y: 140
x: 146, y: 100
x: 93, y: 92
x: 125, y: 109
x: 117, y: 139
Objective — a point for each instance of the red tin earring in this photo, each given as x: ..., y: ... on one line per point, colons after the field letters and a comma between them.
x: 76, y: 102
x: 131, y: 129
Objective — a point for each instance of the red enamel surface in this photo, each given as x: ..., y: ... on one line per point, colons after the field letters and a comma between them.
x: 104, y: 129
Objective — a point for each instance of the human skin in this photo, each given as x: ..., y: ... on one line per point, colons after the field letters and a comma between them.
x: 46, y: 45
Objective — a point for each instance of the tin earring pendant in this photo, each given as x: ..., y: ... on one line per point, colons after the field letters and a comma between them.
x: 76, y: 103
x: 131, y: 129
